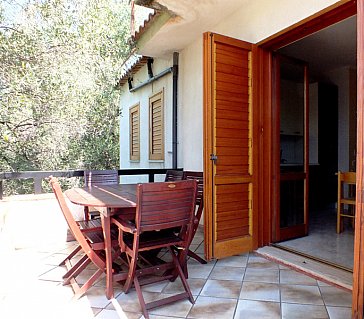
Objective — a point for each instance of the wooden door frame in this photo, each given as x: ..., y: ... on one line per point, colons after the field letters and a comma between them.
x: 358, y: 275
x: 279, y: 234
x: 335, y: 13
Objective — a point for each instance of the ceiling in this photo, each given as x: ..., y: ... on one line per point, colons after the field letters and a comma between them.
x: 189, y: 19
x: 328, y: 49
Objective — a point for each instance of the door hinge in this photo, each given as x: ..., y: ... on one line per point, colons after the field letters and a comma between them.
x: 213, y: 158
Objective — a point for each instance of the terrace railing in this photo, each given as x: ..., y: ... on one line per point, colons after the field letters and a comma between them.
x: 38, y: 176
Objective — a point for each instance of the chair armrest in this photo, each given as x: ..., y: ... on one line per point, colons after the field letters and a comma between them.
x: 125, y: 225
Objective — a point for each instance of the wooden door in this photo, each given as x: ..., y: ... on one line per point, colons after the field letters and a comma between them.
x: 230, y: 225
x: 291, y: 107
x: 358, y: 275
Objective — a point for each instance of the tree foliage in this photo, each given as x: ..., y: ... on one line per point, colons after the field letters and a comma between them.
x: 59, y: 64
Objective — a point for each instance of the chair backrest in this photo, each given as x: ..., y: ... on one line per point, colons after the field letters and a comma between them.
x: 347, y: 177
x: 72, y: 224
x: 101, y: 177
x: 346, y: 185
x: 173, y: 175
x: 198, y: 176
x: 165, y: 205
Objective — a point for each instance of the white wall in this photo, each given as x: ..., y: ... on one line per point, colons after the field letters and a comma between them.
x: 191, y: 106
x: 313, y: 124
x: 341, y: 78
x: 141, y: 96
x: 255, y: 21
x: 259, y: 19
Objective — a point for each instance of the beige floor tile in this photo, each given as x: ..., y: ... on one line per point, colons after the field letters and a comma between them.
x: 260, y: 291
x: 96, y: 297
x: 86, y: 275
x: 280, y: 266
x: 113, y: 314
x: 219, y: 284
x: 221, y: 288
x: 54, y: 274
x: 178, y: 309
x: 156, y: 287
x: 259, y: 262
x: 212, y: 308
x: 233, y: 261
x: 129, y: 302
x: 196, y: 270
x: 197, y: 240
x: 162, y: 317
x: 301, y: 294
x: 200, y: 249
x: 251, y: 309
x: 195, y: 284
x: 54, y: 259
x: 296, y: 311
x: 323, y: 284
x: 227, y: 273
x: 339, y: 312
x: 96, y: 311
x: 193, y: 247
x: 262, y: 275
x: 336, y: 297
x: 292, y: 277
x: 46, y: 290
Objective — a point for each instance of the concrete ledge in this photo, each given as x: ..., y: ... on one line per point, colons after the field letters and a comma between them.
x: 318, y: 270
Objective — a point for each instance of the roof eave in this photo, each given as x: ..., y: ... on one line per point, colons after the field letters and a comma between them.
x: 160, y: 19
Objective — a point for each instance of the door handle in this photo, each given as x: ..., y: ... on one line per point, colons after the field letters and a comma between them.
x: 213, y: 158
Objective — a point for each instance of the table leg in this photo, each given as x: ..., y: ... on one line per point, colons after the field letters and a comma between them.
x: 105, y: 221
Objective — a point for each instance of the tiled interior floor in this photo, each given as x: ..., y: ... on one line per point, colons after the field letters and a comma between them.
x: 245, y: 286
x: 339, y: 248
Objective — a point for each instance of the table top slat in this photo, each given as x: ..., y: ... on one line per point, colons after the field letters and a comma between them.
x: 110, y: 196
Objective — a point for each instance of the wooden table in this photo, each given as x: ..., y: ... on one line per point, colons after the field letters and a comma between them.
x: 105, y: 198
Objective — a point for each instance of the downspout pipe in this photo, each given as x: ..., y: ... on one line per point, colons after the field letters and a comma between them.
x: 174, y: 110
x: 152, y: 79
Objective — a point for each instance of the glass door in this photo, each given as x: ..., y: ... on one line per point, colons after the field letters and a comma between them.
x: 291, y: 99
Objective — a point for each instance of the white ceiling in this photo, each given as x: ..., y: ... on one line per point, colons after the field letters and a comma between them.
x: 191, y: 18
x: 331, y: 48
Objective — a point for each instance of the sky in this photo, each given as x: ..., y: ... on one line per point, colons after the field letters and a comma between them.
x: 12, y: 9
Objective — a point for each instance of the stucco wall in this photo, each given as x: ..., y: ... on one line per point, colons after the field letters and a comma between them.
x: 141, y: 96
x: 191, y: 106
x: 259, y: 19
x: 253, y: 22
x: 340, y: 77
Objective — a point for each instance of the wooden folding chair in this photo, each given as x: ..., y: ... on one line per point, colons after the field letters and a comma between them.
x: 173, y: 175
x: 345, y: 198
x: 93, y: 225
x: 97, y: 178
x: 198, y: 176
x: 90, y: 241
x: 160, y: 207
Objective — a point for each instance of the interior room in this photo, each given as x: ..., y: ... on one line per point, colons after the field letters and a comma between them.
x: 330, y: 56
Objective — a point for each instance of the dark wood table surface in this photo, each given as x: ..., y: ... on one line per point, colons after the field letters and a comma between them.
x: 105, y: 198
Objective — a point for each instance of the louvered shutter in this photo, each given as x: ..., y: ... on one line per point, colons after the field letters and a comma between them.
x: 231, y: 222
x: 156, y: 127
x: 134, y: 133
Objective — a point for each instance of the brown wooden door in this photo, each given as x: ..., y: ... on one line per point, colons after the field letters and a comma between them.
x: 230, y: 226
x: 291, y: 106
x: 358, y: 275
